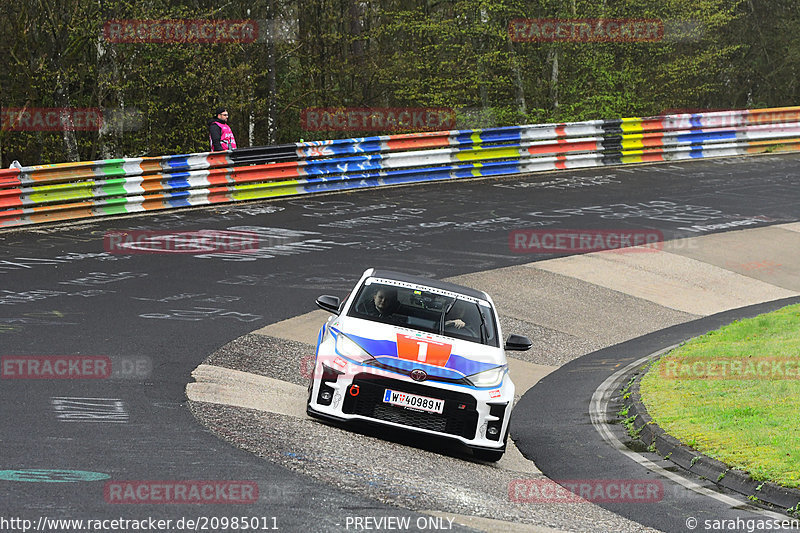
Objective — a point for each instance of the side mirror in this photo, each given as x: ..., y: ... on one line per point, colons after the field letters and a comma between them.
x: 329, y: 303
x: 518, y: 343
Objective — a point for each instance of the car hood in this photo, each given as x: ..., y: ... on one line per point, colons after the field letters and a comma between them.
x: 407, y: 349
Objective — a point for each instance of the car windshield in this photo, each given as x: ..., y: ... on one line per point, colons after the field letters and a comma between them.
x: 427, y: 310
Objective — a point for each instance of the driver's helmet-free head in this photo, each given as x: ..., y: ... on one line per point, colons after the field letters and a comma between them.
x: 385, y: 299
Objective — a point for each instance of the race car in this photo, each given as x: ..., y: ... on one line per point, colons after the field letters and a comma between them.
x: 417, y: 354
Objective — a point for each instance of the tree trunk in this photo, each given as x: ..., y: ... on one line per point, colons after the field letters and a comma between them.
x: 554, y: 53
x: 68, y: 132
x: 519, y: 89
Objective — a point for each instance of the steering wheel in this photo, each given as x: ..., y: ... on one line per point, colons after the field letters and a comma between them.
x: 471, y: 330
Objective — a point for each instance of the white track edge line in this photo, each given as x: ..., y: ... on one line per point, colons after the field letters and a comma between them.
x: 598, y: 408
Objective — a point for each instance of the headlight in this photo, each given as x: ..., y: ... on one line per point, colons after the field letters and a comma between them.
x: 488, y: 378
x: 346, y: 347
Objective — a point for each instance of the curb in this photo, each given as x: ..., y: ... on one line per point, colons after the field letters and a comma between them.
x: 651, y: 435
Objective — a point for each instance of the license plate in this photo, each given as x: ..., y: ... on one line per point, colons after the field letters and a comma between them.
x: 413, y: 401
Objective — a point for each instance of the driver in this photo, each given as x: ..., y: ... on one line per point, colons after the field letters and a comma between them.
x: 384, y: 302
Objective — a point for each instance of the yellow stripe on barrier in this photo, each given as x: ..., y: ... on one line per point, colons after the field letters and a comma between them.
x: 487, y: 153
x: 633, y: 143
x: 60, y: 192
x: 631, y: 125
x: 255, y: 191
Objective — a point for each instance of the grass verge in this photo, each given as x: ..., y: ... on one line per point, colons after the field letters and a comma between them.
x: 734, y: 395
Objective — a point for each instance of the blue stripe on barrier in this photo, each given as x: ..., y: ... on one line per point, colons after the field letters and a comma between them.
x: 706, y: 136
x: 178, y: 199
x: 340, y: 168
x: 339, y: 183
x: 364, y: 147
x: 488, y: 169
x: 178, y: 161
x: 178, y: 180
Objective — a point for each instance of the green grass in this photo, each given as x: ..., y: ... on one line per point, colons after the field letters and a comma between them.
x: 725, y: 395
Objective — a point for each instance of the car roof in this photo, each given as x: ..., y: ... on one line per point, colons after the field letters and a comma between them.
x: 436, y: 284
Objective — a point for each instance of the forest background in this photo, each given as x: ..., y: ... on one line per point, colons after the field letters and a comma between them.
x: 456, y: 54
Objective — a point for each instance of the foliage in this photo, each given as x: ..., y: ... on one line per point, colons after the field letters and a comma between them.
x: 363, y: 53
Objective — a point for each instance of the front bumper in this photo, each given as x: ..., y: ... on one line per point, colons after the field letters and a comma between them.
x: 478, y: 418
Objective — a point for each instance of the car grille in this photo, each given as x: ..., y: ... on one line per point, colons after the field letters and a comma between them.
x: 453, y: 420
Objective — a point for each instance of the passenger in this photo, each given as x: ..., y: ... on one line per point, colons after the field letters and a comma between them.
x: 455, y: 317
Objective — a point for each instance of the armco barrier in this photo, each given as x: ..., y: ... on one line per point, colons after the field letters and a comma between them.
x: 67, y: 191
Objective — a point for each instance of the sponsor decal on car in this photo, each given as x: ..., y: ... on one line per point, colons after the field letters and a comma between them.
x: 423, y: 349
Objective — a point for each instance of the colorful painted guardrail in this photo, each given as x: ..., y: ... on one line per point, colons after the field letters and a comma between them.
x: 67, y: 191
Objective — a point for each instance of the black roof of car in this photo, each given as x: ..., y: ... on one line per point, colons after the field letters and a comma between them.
x: 435, y: 283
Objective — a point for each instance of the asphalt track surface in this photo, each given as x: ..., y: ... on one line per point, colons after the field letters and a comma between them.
x: 554, y: 420
x: 62, y: 294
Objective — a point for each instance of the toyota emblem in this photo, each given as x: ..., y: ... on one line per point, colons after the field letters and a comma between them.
x: 419, y: 375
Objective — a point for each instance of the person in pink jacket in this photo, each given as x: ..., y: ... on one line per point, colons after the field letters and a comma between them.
x: 220, y: 134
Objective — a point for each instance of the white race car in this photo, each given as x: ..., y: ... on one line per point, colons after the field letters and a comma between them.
x: 417, y: 354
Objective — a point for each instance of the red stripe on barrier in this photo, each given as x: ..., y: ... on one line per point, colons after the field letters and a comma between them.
x: 562, y: 146
x: 10, y: 198
x: 9, y: 178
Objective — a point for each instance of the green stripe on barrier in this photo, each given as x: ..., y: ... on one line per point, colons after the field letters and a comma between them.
x: 112, y: 167
x: 114, y: 187
x: 115, y: 209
